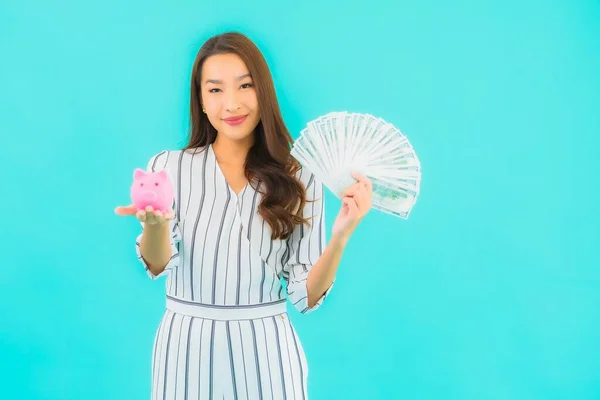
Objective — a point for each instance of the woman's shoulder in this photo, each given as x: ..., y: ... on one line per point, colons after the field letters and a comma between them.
x: 171, y: 159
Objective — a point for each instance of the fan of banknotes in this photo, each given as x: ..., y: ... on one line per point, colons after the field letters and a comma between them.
x: 335, y: 144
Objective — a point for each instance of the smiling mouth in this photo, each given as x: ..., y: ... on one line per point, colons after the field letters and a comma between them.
x: 235, y: 120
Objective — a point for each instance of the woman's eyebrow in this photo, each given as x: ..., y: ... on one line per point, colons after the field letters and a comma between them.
x: 218, y: 81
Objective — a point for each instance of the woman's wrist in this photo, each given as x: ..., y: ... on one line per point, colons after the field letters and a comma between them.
x: 339, y: 239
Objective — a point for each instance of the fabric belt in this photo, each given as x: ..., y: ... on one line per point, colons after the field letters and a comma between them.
x: 226, y: 313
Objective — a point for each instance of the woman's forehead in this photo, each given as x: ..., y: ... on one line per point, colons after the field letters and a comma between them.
x: 224, y: 67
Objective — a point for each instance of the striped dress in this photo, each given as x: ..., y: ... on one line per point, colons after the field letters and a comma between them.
x: 223, y: 258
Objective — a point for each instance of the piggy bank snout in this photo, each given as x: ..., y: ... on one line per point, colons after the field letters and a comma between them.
x: 148, y: 195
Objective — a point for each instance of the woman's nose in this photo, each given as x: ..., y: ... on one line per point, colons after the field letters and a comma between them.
x: 232, y: 103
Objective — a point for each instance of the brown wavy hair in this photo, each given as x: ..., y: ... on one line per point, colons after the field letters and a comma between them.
x: 269, y: 163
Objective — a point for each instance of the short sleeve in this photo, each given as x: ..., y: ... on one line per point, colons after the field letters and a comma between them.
x: 305, y: 246
x: 157, y: 163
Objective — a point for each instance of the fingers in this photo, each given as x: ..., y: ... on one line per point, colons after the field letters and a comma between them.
x: 352, y: 189
x: 152, y: 217
x: 148, y: 216
x: 351, y: 205
x: 141, y: 215
x: 357, y: 189
x: 363, y: 179
x: 126, y: 210
x: 169, y: 215
x: 360, y: 193
x: 362, y: 199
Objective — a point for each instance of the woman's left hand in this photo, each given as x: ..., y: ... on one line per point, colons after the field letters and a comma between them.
x: 356, y: 202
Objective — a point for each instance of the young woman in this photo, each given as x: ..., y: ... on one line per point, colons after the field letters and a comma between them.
x: 246, y: 216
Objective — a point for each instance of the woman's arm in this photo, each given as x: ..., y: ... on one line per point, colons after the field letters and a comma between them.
x: 356, y: 202
x: 155, y: 246
x: 311, y: 264
x: 322, y: 274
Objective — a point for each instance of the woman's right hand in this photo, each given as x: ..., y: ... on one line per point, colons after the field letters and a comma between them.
x: 148, y: 216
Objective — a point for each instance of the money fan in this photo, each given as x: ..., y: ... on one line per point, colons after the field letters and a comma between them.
x: 335, y: 144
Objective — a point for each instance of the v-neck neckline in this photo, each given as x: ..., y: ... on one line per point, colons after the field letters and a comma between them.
x: 218, y: 167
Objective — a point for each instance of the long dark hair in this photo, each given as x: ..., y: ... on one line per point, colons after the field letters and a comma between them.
x: 268, y: 162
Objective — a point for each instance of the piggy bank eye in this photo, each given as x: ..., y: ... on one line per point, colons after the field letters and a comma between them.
x: 142, y: 184
x: 155, y: 183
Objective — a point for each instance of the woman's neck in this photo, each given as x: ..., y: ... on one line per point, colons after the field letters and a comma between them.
x: 232, y: 152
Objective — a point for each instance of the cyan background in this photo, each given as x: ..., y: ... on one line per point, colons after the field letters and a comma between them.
x: 491, y: 289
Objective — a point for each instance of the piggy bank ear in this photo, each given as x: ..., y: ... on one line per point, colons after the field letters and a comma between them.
x: 139, y: 173
x: 162, y: 175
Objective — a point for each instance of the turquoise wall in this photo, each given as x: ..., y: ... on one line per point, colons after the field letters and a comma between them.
x: 490, y: 290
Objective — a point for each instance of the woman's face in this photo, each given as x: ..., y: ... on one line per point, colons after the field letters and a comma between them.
x: 229, y: 97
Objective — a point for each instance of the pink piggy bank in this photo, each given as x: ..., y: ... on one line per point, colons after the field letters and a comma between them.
x: 152, y: 189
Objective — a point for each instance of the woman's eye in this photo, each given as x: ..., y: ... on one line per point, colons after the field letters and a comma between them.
x: 213, y: 90
x: 246, y: 85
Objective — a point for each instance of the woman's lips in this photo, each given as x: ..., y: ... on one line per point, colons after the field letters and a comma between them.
x: 235, y: 120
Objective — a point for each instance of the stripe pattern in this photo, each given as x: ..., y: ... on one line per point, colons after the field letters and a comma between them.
x: 223, y: 255
x: 198, y: 358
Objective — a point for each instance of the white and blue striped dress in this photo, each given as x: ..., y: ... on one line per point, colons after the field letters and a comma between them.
x: 223, y: 256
